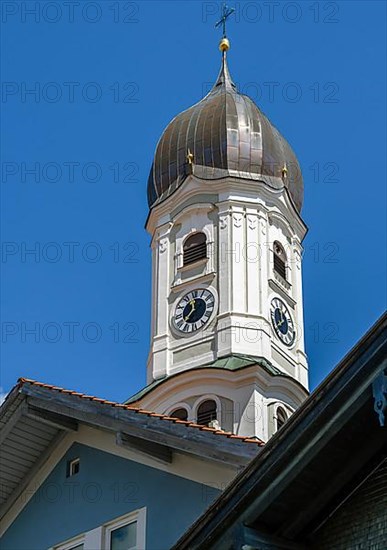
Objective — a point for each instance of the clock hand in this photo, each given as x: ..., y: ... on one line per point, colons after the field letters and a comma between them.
x: 192, y: 304
x: 283, y: 319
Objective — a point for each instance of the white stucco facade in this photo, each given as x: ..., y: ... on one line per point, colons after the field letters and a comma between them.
x: 241, y: 221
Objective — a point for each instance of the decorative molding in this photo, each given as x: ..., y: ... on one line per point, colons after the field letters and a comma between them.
x: 297, y: 257
x: 281, y: 281
x: 227, y: 188
x: 163, y: 243
x: 379, y: 390
x: 193, y: 209
x: 281, y: 291
x: 237, y: 218
x: 162, y: 236
x: 252, y: 221
x: 210, y: 268
x: 223, y: 221
x: 178, y: 261
x: 279, y: 221
x: 197, y: 279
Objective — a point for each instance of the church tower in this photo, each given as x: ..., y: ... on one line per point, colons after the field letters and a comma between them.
x: 225, y: 194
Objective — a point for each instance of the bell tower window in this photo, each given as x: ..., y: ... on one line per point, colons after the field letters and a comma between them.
x: 195, y: 248
x: 207, y: 411
x: 281, y: 418
x: 279, y: 260
x: 180, y: 413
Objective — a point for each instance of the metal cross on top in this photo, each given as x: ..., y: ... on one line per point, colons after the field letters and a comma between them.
x: 226, y: 12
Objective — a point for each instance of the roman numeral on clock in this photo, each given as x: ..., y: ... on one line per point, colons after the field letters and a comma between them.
x: 282, y: 322
x: 194, y: 310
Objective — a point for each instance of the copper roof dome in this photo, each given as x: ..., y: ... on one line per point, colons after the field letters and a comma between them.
x: 225, y: 134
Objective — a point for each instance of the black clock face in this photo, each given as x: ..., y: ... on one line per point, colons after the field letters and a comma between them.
x: 282, y: 322
x: 194, y: 310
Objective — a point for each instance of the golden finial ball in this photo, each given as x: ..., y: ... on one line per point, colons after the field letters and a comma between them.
x: 224, y: 45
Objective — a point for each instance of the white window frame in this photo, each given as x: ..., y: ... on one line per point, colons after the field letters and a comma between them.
x: 72, y: 463
x: 99, y: 538
x: 139, y: 517
x: 71, y: 543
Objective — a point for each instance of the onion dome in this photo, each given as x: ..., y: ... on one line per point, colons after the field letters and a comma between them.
x: 223, y: 135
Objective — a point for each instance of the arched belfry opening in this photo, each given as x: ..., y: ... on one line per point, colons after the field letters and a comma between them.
x: 194, y: 248
x: 207, y: 411
x: 279, y: 259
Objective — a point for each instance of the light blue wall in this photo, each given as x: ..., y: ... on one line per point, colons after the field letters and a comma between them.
x: 106, y: 487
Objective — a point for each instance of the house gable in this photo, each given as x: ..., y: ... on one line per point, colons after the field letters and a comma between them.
x: 43, y: 425
x: 106, y: 487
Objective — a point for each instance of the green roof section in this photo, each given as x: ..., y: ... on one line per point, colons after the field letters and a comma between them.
x: 231, y: 363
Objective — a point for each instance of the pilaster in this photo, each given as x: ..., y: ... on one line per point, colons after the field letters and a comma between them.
x: 162, y: 281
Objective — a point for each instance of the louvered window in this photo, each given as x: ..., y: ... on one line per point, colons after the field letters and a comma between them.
x: 279, y: 260
x: 195, y: 248
x: 206, y: 412
x: 181, y: 414
x: 281, y: 417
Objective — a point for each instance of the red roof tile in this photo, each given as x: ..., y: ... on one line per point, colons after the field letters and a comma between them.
x: 215, y: 431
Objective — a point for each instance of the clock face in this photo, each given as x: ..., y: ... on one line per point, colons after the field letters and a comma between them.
x: 282, y: 322
x: 193, y: 310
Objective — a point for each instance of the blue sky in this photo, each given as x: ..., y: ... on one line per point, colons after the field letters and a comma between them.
x: 106, y: 78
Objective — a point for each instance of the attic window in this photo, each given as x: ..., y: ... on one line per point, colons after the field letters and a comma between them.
x: 279, y: 260
x: 73, y: 467
x: 195, y: 248
x: 181, y: 414
x: 206, y: 412
x: 281, y: 417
